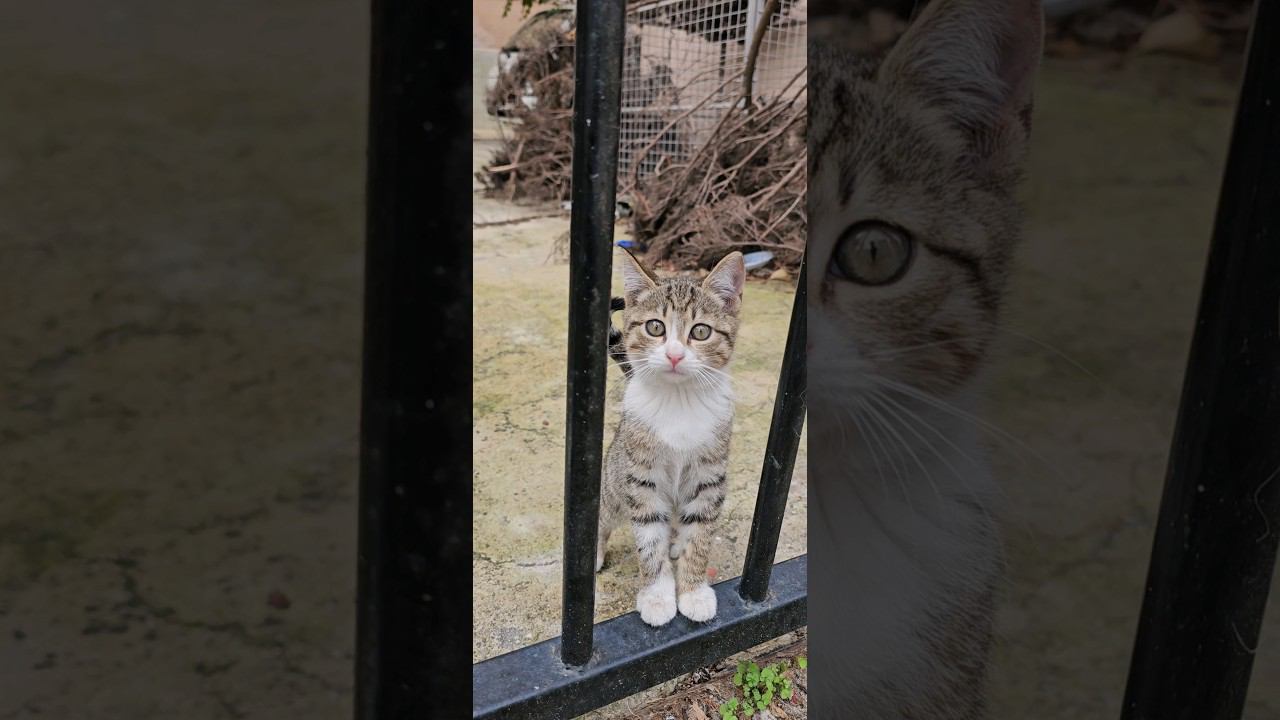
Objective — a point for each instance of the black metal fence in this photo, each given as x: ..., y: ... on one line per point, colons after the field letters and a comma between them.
x: 590, y: 665
x: 1219, y: 523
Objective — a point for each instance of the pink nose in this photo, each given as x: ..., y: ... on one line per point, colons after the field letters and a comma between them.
x: 675, y: 357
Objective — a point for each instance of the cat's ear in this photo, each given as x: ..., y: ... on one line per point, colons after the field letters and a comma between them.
x: 635, y: 279
x: 727, y: 278
x: 977, y: 59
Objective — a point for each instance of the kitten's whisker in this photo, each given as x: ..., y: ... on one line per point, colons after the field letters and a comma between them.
x: 889, y: 414
x: 978, y: 501
x: 945, y: 406
x: 875, y: 461
x: 894, y: 352
x: 714, y: 369
x: 871, y: 435
x: 897, y: 463
x: 885, y: 397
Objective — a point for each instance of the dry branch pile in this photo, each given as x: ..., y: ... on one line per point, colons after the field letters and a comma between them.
x: 536, y: 97
x: 743, y: 190
x: 694, y: 198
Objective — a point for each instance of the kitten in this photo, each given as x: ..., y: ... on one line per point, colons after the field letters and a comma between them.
x: 913, y: 164
x: 665, y: 469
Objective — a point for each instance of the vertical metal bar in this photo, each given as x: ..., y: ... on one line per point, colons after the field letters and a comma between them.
x: 415, y: 426
x: 597, y: 110
x: 779, y: 456
x: 1219, y: 523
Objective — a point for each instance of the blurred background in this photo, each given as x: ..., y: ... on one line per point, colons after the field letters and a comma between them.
x: 181, y: 260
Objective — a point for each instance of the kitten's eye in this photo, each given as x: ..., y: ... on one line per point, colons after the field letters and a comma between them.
x: 655, y: 328
x: 872, y: 253
x: 700, y: 331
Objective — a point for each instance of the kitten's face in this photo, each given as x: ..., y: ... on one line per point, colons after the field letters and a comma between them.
x: 680, y: 330
x: 912, y: 217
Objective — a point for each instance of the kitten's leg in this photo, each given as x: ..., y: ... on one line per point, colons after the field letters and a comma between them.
x: 656, y: 600
x: 696, y: 599
x: 610, y: 514
x: 613, y: 493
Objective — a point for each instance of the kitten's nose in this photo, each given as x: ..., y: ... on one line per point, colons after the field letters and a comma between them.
x: 675, y: 355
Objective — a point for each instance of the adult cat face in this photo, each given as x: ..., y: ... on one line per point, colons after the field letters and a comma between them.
x: 913, y: 163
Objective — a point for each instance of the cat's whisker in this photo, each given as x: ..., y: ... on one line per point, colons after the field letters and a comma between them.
x: 895, y: 460
x: 898, y: 351
x: 888, y: 531
x: 909, y: 413
x: 715, y: 371
x: 888, y: 415
x: 979, y: 502
x: 990, y: 427
x: 875, y: 460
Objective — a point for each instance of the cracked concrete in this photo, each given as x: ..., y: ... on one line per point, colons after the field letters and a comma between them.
x: 181, y: 231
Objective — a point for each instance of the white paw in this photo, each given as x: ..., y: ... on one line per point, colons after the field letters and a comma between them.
x: 699, y: 605
x: 599, y: 559
x: 657, y: 602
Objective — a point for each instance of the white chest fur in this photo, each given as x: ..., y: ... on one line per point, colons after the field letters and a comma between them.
x: 684, y: 417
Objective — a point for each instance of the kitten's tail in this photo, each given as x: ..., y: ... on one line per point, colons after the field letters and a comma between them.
x: 617, y: 350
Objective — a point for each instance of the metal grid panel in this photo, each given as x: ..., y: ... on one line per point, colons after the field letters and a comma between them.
x: 683, y: 67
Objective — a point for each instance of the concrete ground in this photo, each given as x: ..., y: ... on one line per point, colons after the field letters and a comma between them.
x: 1124, y: 176
x: 181, y: 254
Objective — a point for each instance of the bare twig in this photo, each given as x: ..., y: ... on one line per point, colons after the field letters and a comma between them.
x: 750, y: 69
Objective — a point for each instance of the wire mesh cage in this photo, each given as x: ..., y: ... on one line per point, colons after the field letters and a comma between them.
x: 683, y: 67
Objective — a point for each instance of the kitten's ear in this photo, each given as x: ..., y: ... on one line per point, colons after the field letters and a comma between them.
x: 975, y: 58
x: 635, y: 279
x: 727, y: 278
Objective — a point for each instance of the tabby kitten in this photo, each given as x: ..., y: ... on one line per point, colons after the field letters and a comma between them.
x: 913, y: 164
x: 665, y: 469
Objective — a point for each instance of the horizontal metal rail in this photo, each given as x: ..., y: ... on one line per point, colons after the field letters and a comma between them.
x: 630, y: 656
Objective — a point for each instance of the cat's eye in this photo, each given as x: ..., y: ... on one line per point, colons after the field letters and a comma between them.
x: 655, y: 328
x: 701, y: 331
x: 872, y: 253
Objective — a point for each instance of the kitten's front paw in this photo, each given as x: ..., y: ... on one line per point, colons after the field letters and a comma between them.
x: 657, y: 602
x: 699, y: 605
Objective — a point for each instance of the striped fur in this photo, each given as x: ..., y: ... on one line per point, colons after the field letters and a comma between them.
x: 925, y: 144
x: 665, y: 469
